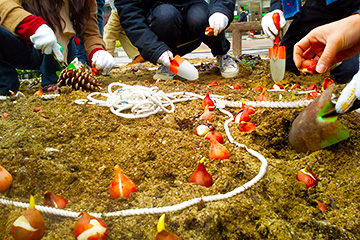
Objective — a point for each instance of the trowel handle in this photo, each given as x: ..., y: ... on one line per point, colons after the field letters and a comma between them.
x: 276, y: 19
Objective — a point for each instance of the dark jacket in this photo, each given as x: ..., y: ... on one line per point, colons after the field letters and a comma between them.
x: 133, y: 15
x: 243, y: 17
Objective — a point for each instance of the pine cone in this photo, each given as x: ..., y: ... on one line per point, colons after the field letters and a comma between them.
x: 79, y: 80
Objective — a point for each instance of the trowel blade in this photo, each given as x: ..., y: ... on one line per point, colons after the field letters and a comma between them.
x: 183, y: 68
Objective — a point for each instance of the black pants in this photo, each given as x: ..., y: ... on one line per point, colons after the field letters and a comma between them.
x: 315, y: 13
x: 183, y: 29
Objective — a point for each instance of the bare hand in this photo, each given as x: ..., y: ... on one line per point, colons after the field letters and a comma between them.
x: 331, y: 43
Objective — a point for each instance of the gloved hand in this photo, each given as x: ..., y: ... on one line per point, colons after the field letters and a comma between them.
x: 218, y: 21
x: 164, y: 59
x: 103, y: 61
x: 45, y: 40
x: 349, y: 94
x: 268, y: 25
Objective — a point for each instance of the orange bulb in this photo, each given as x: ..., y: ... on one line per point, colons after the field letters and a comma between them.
x: 247, y: 127
x: 53, y: 200
x: 201, y: 176
x: 216, y: 135
x: 206, y: 115
x: 242, y: 116
x: 121, y: 186
x: 5, y: 179
x: 217, y: 150
x: 90, y: 228
x: 262, y: 96
x: 30, y: 225
x: 208, y: 102
x: 306, y: 176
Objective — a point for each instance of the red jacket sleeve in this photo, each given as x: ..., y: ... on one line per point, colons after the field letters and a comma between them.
x: 29, y: 26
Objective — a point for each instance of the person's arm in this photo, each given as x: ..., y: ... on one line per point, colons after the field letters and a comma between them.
x: 332, y: 43
x: 132, y: 18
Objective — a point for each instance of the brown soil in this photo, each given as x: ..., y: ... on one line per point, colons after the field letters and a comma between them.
x: 160, y: 152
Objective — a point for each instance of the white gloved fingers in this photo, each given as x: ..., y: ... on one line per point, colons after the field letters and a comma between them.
x: 56, y: 50
x: 103, y: 60
x: 165, y: 57
x: 218, y: 21
x: 268, y: 25
x: 348, y: 95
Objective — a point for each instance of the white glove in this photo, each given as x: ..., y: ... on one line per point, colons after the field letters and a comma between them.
x: 45, y: 40
x: 164, y: 59
x: 349, y: 94
x: 218, y: 21
x: 268, y: 25
x: 103, y: 61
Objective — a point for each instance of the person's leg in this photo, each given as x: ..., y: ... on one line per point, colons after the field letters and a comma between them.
x: 196, y: 21
x: 100, y: 5
x: 15, y: 53
x: 315, y: 13
x: 111, y: 32
x: 170, y: 32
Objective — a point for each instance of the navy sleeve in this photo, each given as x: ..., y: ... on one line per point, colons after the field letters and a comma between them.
x: 275, y: 4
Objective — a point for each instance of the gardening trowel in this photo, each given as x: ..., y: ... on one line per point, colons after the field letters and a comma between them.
x: 277, y: 54
x: 312, y: 131
x: 183, y: 68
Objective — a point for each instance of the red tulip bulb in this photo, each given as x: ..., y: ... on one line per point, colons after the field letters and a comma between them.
x: 201, y: 176
x: 30, y: 225
x: 5, y: 179
x: 206, y: 115
x: 217, y: 150
x: 208, y: 102
x: 306, y: 176
x: 90, y: 228
x: 121, y: 186
x: 216, y: 135
x: 53, y: 200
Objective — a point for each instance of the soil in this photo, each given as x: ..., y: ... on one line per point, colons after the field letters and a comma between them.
x: 73, y: 152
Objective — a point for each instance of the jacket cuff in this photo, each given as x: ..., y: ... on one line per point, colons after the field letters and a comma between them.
x: 29, y: 26
x: 92, y: 54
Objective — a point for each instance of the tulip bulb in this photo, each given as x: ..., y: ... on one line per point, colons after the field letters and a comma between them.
x: 217, y: 150
x: 53, y: 200
x: 90, y: 228
x: 206, y: 115
x: 247, y: 127
x: 202, y: 130
x: 208, y: 102
x: 251, y: 109
x: 306, y: 176
x: 162, y: 233
x: 262, y: 96
x: 216, y: 135
x: 201, y: 176
x: 242, y: 116
x: 30, y: 225
x: 121, y: 186
x: 5, y: 179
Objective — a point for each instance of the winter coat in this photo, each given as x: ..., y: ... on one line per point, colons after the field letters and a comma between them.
x: 12, y: 14
x: 133, y: 17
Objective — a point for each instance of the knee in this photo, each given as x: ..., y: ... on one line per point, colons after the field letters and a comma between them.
x: 197, y: 16
x: 165, y: 13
